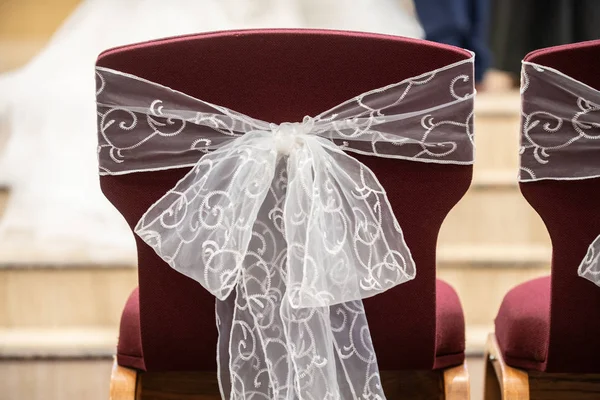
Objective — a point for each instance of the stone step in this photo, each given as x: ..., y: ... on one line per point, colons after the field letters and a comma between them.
x: 488, y: 256
x: 479, y: 218
x: 497, y: 131
x: 498, y: 104
x: 495, y: 179
x: 100, y: 343
x: 55, y: 379
x: 45, y: 296
x: 493, y: 212
x: 41, y: 296
x: 88, y: 345
x: 48, y: 343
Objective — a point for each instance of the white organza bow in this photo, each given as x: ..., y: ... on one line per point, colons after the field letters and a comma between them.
x: 561, y: 137
x: 288, y: 231
x: 341, y: 243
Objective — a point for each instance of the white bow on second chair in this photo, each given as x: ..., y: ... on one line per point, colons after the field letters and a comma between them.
x: 561, y: 137
x: 288, y: 231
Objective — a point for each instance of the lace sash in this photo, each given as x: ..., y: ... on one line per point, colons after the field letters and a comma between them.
x: 288, y: 231
x: 560, y: 137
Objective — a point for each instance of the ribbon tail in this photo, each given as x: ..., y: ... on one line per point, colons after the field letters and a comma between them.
x: 332, y: 353
x: 224, y: 310
x: 202, y: 226
x: 590, y: 266
x: 310, y: 343
x: 357, y: 361
x: 344, y: 240
x: 344, y: 244
x: 248, y: 367
x: 263, y: 282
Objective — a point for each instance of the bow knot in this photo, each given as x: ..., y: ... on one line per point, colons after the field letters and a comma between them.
x: 288, y: 135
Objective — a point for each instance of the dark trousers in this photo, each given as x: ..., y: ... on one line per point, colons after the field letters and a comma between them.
x: 462, y: 23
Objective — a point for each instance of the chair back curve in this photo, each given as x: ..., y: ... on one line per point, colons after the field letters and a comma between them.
x: 569, y: 208
x: 279, y: 76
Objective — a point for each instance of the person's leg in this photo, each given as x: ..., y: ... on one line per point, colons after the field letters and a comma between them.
x: 461, y: 23
x: 444, y: 21
x: 477, y: 38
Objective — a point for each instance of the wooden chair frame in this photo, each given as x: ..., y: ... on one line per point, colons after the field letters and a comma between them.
x: 128, y: 384
x: 503, y: 382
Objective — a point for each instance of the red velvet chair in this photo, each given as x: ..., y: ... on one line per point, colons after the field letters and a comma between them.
x: 168, y: 337
x: 546, y: 344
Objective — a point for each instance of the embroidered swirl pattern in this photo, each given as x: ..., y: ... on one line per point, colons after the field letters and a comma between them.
x: 561, y: 137
x: 560, y: 126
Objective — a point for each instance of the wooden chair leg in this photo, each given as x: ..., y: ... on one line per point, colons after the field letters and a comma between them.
x: 457, y: 383
x: 123, y: 383
x: 501, y: 381
x: 491, y: 386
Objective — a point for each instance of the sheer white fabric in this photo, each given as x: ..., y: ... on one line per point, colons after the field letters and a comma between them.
x: 288, y: 231
x: 560, y: 127
x: 561, y: 136
x: 590, y: 266
x: 412, y: 119
x: 56, y: 209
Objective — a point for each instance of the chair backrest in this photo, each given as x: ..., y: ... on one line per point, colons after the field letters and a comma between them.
x: 278, y: 76
x: 570, y: 211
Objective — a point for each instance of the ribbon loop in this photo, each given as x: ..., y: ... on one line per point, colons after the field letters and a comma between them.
x: 344, y: 241
x: 207, y: 218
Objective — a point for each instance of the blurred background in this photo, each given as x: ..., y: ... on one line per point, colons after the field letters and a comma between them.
x: 67, y: 261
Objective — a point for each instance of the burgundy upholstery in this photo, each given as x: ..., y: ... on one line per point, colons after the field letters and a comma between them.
x: 450, y: 330
x: 450, y: 327
x: 129, y: 348
x: 570, y: 211
x: 523, y: 324
x: 282, y: 75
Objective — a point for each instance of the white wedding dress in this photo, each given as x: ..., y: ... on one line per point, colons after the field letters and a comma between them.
x: 56, y: 211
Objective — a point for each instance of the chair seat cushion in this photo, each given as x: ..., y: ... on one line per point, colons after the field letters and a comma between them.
x: 450, y: 331
x: 129, y: 347
x: 523, y: 325
x: 449, y: 328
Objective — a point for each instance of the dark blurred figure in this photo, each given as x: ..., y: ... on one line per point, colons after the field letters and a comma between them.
x: 462, y: 23
x: 520, y: 26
